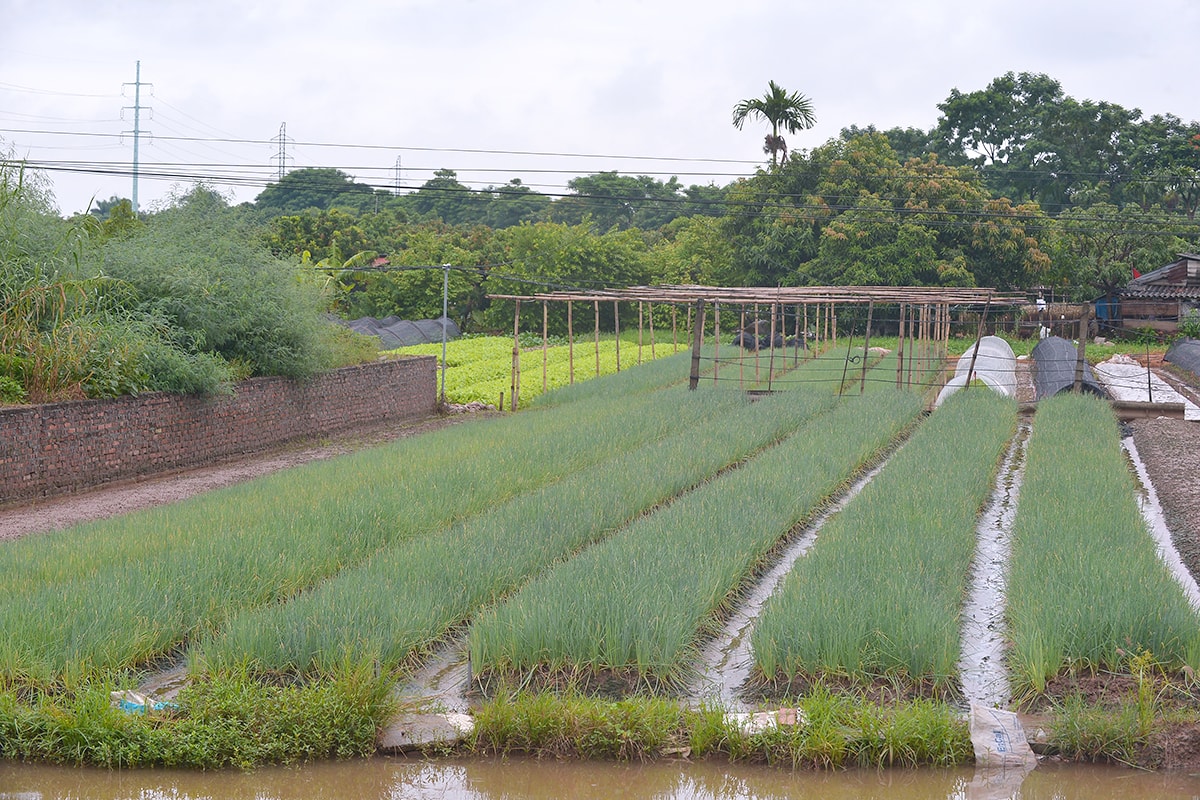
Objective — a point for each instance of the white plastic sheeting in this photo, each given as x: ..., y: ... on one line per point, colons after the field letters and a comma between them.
x: 995, y: 366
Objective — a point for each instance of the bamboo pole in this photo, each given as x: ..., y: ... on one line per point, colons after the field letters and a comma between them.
x: 545, y: 342
x: 516, y: 365
x: 617, y: 330
x: 862, y: 384
x: 596, y: 303
x: 1081, y: 351
x: 641, y: 315
x: 653, y: 354
x: 716, y: 341
x: 975, y: 350
x: 742, y: 352
x: 771, y: 335
x: 570, y: 346
x: 757, y: 347
x: 697, y: 343
x: 911, y: 346
x: 796, y: 341
x: 900, y: 350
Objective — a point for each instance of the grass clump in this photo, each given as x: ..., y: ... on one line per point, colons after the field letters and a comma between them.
x: 218, y: 723
x: 836, y: 731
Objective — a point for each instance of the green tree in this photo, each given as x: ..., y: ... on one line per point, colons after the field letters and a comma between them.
x: 333, y: 235
x: 201, y: 271
x: 311, y: 187
x: 101, y: 209
x: 444, y: 197
x: 513, y: 204
x: 613, y: 201
x: 410, y: 286
x: 120, y: 220
x: 546, y: 256
x: 693, y: 250
x: 792, y: 112
x: 1096, y: 250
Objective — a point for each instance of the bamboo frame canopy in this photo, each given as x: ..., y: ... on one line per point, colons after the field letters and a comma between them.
x: 783, y: 294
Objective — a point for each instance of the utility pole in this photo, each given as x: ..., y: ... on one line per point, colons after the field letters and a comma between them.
x: 282, y: 156
x: 137, y: 127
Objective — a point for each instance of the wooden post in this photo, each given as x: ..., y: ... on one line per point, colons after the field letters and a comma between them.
x: 819, y: 338
x: 911, y: 347
x: 674, y: 335
x: 741, y: 353
x: 978, y: 340
x: 796, y: 338
x: 641, y: 315
x: 846, y: 362
x: 570, y: 346
x: 771, y: 339
x: 516, y: 365
x: 833, y: 315
x: 862, y: 383
x: 900, y: 350
x: 653, y: 354
x: 545, y: 341
x: 757, y: 346
x: 716, y: 341
x: 1081, y: 351
x: 697, y: 342
x: 596, y: 304
x: 617, y: 330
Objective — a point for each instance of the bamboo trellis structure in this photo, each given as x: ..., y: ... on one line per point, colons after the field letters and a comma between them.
x: 924, y: 321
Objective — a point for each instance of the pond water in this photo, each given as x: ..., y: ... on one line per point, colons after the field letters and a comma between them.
x: 521, y: 779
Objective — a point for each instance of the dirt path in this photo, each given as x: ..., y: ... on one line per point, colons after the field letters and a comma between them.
x: 113, y: 499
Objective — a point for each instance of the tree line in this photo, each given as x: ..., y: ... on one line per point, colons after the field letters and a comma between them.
x: 1017, y: 186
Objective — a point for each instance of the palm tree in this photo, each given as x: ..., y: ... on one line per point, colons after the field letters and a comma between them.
x: 792, y: 112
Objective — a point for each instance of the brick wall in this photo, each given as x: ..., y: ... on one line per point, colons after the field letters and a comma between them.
x: 59, y: 448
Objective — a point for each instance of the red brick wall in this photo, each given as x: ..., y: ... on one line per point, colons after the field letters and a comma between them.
x: 59, y: 448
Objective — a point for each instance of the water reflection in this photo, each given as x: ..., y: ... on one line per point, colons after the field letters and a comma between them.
x: 518, y: 779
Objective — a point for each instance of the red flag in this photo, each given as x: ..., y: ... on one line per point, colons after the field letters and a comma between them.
x: 1136, y: 274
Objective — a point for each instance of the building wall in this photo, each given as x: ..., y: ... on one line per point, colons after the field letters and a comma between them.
x: 58, y: 448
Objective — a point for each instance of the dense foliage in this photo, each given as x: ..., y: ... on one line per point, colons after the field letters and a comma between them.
x: 186, y: 301
x: 1017, y: 186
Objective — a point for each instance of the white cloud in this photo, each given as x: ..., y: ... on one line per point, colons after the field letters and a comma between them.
x: 627, y: 77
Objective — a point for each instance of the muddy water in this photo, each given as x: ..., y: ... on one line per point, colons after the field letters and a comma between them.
x: 984, y: 678
x: 394, y: 779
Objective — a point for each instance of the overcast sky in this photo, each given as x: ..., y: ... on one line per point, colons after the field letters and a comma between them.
x: 637, y: 86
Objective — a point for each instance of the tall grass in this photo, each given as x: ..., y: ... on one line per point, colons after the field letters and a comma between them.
x: 116, y: 593
x: 881, y: 591
x: 408, y: 595
x: 640, y: 598
x: 1087, y: 588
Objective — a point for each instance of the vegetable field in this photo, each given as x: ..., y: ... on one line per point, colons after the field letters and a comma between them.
x: 600, y: 537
